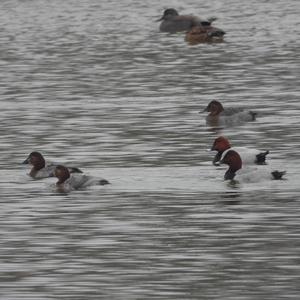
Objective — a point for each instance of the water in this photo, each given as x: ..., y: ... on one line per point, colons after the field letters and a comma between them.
x: 95, y: 84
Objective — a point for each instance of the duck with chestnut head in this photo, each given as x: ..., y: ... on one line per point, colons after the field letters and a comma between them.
x: 68, y: 182
x: 249, y: 156
x: 219, y: 116
x: 233, y: 160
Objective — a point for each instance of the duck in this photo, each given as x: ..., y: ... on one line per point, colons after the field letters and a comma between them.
x: 68, y: 182
x: 219, y: 116
x: 204, y: 34
x: 249, y: 155
x: 233, y: 160
x: 41, y: 169
x: 172, y: 22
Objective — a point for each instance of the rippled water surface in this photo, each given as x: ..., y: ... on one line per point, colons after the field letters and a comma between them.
x: 94, y: 83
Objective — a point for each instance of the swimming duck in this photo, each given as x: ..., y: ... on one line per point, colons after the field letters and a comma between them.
x: 234, y: 161
x: 248, y: 155
x: 204, y: 34
x: 173, y: 22
x: 41, y: 169
x: 218, y: 116
x: 68, y: 182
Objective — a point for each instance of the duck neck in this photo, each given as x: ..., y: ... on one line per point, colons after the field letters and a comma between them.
x: 62, y: 179
x: 230, y: 174
x: 33, y: 172
x: 234, y: 161
x: 233, y: 168
x: 37, y: 166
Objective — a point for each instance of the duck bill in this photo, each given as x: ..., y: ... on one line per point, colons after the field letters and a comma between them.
x: 160, y: 19
x: 26, y: 161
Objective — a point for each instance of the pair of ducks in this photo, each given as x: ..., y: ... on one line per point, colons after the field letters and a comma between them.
x: 242, y: 161
x: 237, y: 157
x: 69, y: 178
x: 197, y: 30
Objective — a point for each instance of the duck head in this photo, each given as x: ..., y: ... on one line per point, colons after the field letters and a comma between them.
x: 35, y: 159
x: 168, y: 14
x: 214, y: 108
x: 62, y: 173
x: 220, y: 144
x: 234, y: 161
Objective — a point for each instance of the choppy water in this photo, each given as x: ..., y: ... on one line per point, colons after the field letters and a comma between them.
x: 94, y: 83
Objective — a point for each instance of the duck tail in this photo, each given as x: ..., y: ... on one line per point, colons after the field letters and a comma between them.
x: 74, y: 170
x: 103, y: 182
x: 261, y: 157
x: 277, y: 175
x: 216, y: 33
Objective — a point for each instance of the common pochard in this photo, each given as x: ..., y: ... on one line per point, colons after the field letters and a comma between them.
x: 68, y: 182
x: 220, y: 116
x: 248, y: 155
x: 249, y: 174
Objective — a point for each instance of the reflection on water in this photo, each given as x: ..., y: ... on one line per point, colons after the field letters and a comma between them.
x: 96, y: 85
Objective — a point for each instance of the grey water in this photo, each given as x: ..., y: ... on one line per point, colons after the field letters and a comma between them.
x: 95, y: 84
